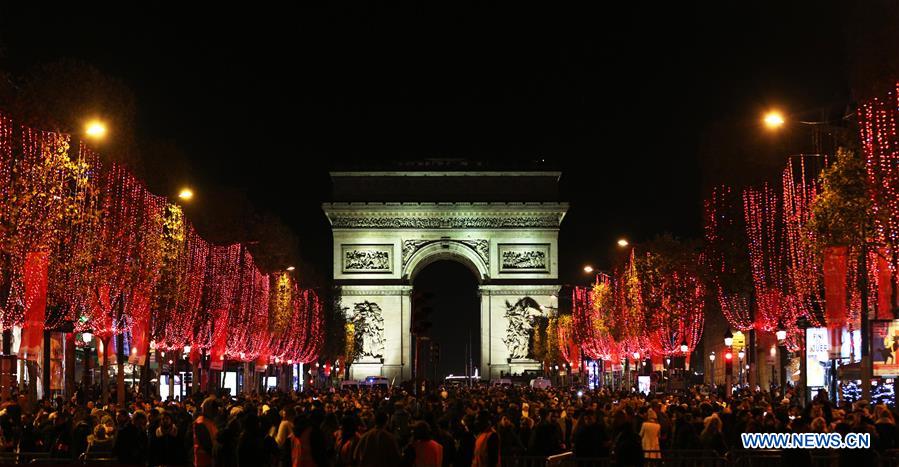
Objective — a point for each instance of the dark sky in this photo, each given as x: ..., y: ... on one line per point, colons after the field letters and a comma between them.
x: 642, y: 107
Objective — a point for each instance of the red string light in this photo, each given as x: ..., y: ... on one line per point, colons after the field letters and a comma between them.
x: 119, y: 255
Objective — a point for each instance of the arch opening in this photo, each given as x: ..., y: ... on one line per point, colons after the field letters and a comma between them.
x: 452, y: 291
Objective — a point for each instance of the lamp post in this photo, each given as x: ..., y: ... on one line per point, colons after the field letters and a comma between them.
x: 740, y: 355
x: 636, y: 364
x: 712, y: 369
x: 803, y: 324
x: 782, y: 348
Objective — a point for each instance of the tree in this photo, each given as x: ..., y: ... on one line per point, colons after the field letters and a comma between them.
x: 841, y: 213
x: 335, y: 329
x: 673, y: 293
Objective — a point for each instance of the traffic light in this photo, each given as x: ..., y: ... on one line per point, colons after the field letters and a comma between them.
x: 729, y: 363
x: 435, y: 353
x: 421, y: 309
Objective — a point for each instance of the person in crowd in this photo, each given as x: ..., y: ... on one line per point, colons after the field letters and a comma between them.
x: 423, y: 451
x: 444, y: 426
x: 591, y: 439
x: 649, y: 434
x: 486, y: 446
x: 885, y: 427
x: 100, y: 443
x: 347, y: 438
x: 712, y: 438
x: 131, y: 443
x: 205, y: 432
x: 378, y: 446
x: 166, y: 443
x: 546, y: 439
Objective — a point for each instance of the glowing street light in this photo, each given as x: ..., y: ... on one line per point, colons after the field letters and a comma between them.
x: 773, y: 119
x: 290, y: 268
x: 781, y: 335
x: 728, y: 338
x: 588, y: 269
x: 684, y: 348
x: 712, y: 357
x: 186, y: 194
x: 622, y: 242
x: 95, y: 129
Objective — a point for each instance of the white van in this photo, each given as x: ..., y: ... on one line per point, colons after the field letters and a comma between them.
x: 541, y: 383
x: 378, y: 382
x: 501, y: 382
x: 350, y: 384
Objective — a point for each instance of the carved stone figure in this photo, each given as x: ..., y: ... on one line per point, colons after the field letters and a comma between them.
x: 368, y: 324
x: 530, y: 259
x: 366, y: 260
x: 521, y: 317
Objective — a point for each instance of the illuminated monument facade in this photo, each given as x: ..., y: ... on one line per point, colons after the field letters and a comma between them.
x: 388, y: 226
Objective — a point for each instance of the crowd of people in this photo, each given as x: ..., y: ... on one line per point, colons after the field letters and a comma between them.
x: 461, y: 426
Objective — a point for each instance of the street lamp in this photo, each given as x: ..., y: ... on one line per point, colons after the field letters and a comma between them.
x: 684, y: 348
x: 95, y: 129
x: 712, y: 368
x: 186, y: 194
x: 728, y: 338
x: 781, y: 335
x: 290, y: 268
x: 588, y: 269
x: 622, y: 242
x: 773, y: 120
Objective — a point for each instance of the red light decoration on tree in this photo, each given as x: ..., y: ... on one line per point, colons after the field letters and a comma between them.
x: 880, y: 144
x: 675, y: 302
x: 221, y: 282
x: 628, y: 322
x: 121, y: 258
x: 725, y: 247
x: 764, y: 232
x: 590, y: 320
x: 805, y: 264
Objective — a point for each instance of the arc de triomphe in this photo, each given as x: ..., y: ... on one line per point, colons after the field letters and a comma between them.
x: 388, y: 226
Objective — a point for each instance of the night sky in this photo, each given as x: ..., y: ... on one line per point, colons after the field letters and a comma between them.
x: 643, y: 108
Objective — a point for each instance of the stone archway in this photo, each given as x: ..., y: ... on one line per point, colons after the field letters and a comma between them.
x: 379, y: 248
x: 465, y: 252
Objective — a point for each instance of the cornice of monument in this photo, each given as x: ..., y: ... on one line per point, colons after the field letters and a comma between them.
x: 430, y: 215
